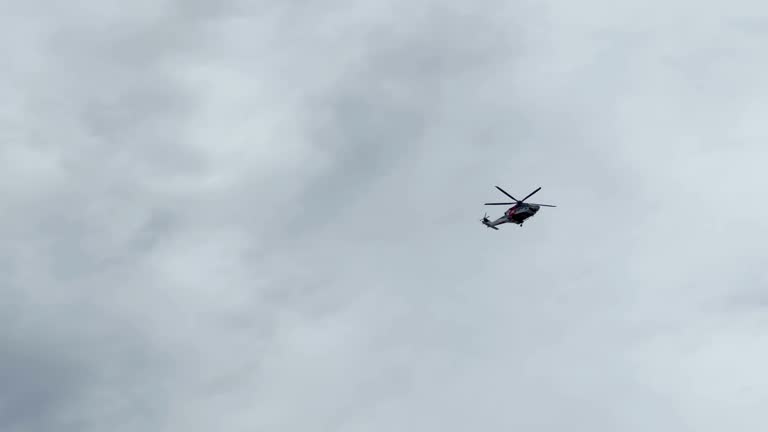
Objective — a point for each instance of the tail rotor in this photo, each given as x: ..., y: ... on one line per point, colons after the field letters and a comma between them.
x: 487, y: 222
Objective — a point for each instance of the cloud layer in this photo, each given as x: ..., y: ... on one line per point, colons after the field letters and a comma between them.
x: 265, y: 216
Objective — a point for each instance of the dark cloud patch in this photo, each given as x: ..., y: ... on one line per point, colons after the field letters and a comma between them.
x: 35, y: 383
x: 380, y: 112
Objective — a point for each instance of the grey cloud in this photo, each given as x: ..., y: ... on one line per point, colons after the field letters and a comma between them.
x: 265, y: 216
x: 36, y: 385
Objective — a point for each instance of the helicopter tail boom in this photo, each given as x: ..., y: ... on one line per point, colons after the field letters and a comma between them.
x: 487, y: 222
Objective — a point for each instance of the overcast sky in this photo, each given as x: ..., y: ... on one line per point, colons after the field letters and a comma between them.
x: 264, y: 216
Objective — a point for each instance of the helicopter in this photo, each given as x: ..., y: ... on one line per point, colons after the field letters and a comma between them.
x: 517, y: 214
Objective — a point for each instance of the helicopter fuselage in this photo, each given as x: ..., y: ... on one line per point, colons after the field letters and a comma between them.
x: 518, y: 213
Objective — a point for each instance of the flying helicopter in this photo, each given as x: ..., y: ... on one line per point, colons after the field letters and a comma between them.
x: 517, y: 214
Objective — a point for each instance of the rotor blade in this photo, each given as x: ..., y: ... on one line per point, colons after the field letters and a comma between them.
x: 499, y: 203
x: 530, y: 194
x: 505, y: 193
x: 543, y: 205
